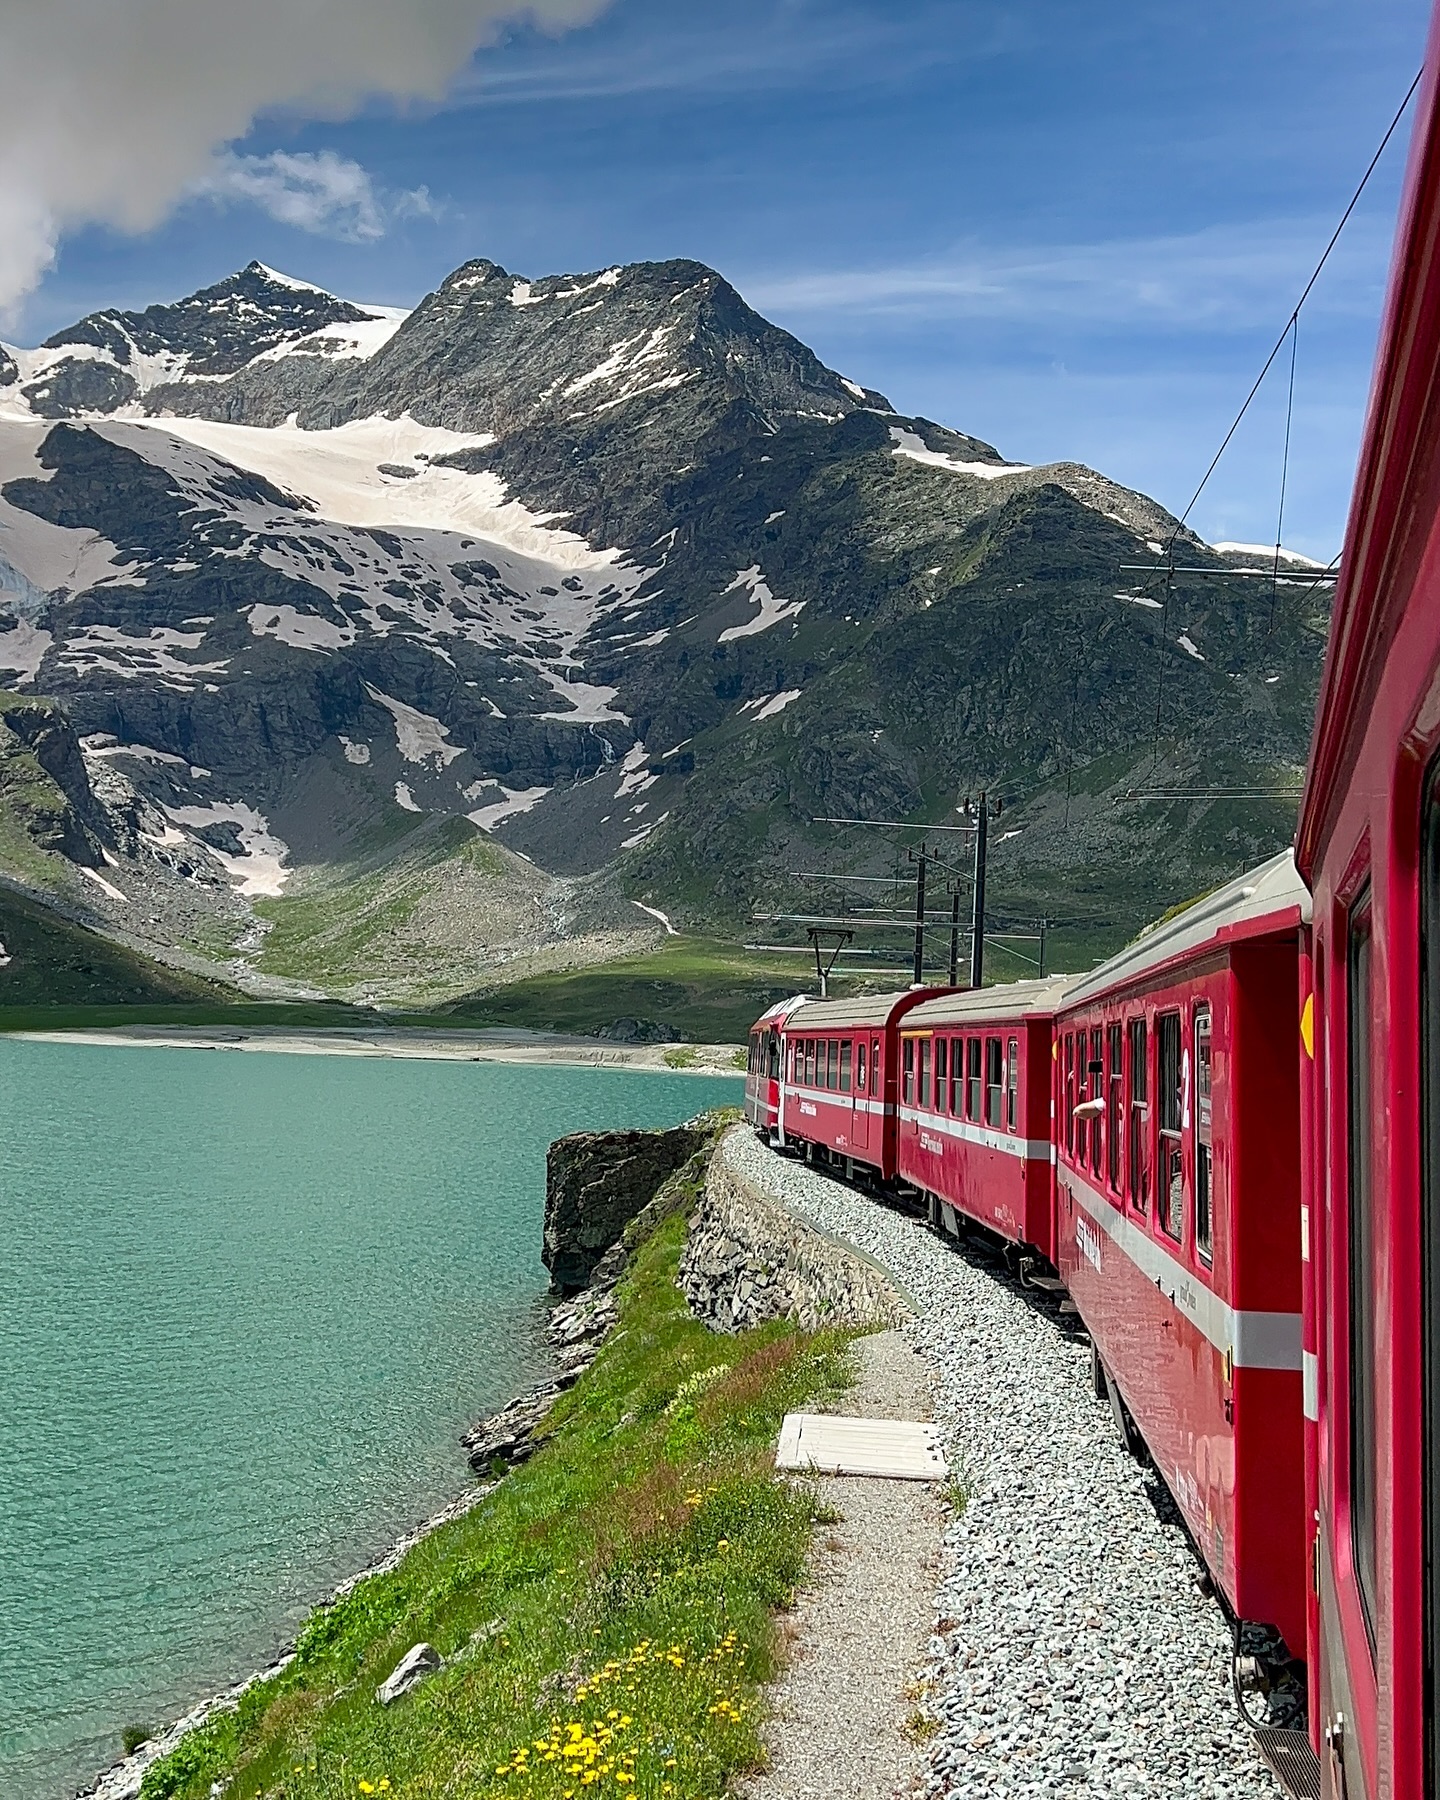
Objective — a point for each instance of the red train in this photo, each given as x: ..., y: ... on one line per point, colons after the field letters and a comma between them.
x: 1368, y: 845
x: 1226, y: 1142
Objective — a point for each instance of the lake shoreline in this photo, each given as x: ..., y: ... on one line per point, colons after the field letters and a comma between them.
x: 121, y: 1779
x: 404, y: 1043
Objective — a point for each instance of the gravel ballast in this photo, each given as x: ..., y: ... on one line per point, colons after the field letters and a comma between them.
x: 1074, y: 1653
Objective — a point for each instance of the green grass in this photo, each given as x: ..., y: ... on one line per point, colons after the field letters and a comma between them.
x: 605, y: 1615
x: 55, y: 964
x: 701, y: 989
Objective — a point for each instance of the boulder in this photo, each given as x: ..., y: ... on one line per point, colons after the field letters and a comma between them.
x: 417, y: 1662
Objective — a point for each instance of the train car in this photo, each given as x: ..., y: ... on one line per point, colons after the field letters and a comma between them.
x: 1178, y: 1227
x: 1369, y: 844
x: 839, y: 1085
x: 762, y: 1068
x: 974, y: 1127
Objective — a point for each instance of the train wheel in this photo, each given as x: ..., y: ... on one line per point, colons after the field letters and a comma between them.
x: 1124, y: 1423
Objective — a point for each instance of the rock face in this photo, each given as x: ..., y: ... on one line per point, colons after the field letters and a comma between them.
x: 747, y: 1260
x: 595, y: 1184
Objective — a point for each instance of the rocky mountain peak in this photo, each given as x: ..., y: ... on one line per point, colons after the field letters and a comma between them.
x: 218, y: 329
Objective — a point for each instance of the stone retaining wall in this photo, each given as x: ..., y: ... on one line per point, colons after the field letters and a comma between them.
x: 747, y: 1260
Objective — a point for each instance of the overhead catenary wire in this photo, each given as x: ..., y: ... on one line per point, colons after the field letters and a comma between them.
x: 1284, y: 470
x: 1279, y: 344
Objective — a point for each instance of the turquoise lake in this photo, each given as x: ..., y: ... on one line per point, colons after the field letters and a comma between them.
x: 247, y: 1304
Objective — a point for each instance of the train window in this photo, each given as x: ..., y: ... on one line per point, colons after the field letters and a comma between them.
x: 957, y: 1076
x: 860, y: 1067
x: 1069, y: 1093
x: 1430, y: 1129
x: 994, y: 1081
x: 1081, y: 1130
x: 1012, y: 1083
x: 1204, y: 1159
x: 941, y: 1061
x: 1137, y: 1173
x: 924, y: 1071
x: 845, y: 1054
x: 1113, y: 1096
x: 832, y: 1064
x: 774, y: 1057
x: 810, y: 1062
x: 1170, y: 1195
x: 972, y: 1078
x: 907, y: 1065
x: 874, y: 1065
x: 1362, y: 1271
x: 1097, y: 1092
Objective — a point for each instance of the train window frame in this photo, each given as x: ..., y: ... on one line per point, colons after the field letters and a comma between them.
x: 1202, y: 1175
x: 1096, y: 1092
x: 1070, y: 1102
x: 923, y: 1083
x: 875, y: 1065
x: 860, y: 1065
x: 1114, y: 1101
x: 1362, y: 1496
x: 974, y: 1081
x: 994, y: 1088
x: 1430, y: 1249
x: 846, y: 1055
x: 810, y: 1062
x: 1082, y: 1094
x: 942, y: 1072
x: 1012, y: 1084
x: 907, y: 1071
x: 1137, y: 1151
x: 1169, y: 1128
x: 832, y: 1066
x: 773, y: 1057
x: 957, y: 1077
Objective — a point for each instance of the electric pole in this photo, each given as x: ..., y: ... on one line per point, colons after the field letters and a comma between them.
x: 955, y: 934
x: 977, y: 939
x: 918, y: 858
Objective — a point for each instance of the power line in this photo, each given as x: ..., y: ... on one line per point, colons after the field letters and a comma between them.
x: 1294, y: 316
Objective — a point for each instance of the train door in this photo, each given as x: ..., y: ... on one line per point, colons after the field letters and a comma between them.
x: 860, y: 1097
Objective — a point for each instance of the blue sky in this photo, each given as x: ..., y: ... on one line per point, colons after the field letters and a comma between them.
x: 1073, y: 230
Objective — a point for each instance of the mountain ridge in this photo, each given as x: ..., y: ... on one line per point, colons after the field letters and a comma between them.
x: 616, y: 571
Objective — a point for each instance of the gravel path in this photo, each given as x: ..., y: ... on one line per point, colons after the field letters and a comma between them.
x: 1073, y: 1654
x: 860, y: 1630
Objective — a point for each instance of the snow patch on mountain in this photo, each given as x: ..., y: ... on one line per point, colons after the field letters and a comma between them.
x: 419, y: 737
x: 48, y: 557
x: 769, y: 705
x: 511, y: 802
x: 301, y: 630
x: 911, y: 445
x: 772, y: 611
x: 111, y: 651
x: 259, y: 865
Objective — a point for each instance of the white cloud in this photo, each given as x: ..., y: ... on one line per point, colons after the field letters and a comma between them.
x: 112, y: 110
x: 1220, y: 278
x: 320, y: 192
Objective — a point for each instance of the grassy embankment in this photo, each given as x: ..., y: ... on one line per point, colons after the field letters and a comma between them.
x: 606, y: 1615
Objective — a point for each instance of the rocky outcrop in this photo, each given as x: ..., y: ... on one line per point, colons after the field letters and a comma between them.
x: 748, y: 1260
x: 417, y: 1662
x: 596, y: 1182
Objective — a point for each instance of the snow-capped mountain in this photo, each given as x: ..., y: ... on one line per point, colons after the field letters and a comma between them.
x: 608, y: 565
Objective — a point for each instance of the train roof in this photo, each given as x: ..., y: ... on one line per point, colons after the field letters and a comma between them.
x: 779, y: 1011
x: 859, y: 1009
x: 1007, y: 1000
x: 1269, y: 899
